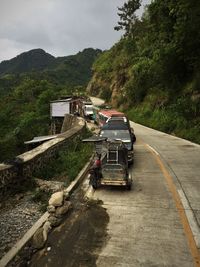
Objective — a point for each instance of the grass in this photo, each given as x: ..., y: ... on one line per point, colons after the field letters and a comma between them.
x: 67, y: 164
x: 167, y: 121
x: 65, y: 167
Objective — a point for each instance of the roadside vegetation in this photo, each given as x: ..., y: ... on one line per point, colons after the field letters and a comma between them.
x: 64, y: 168
x: 153, y: 72
x: 26, y: 92
x: 68, y: 163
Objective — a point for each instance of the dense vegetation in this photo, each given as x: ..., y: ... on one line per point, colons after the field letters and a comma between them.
x: 68, y: 163
x: 25, y: 96
x: 64, y: 168
x: 153, y: 72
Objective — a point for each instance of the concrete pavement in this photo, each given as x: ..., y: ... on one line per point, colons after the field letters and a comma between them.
x: 97, y: 101
x: 152, y: 224
x: 156, y: 224
x: 182, y: 158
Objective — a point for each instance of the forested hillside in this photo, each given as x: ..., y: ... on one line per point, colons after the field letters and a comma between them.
x: 27, y: 84
x: 153, y: 72
x: 36, y: 59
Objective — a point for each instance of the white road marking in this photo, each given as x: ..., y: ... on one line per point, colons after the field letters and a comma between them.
x: 153, y: 149
x: 191, y: 219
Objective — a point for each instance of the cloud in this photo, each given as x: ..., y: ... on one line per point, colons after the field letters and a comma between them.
x: 61, y: 27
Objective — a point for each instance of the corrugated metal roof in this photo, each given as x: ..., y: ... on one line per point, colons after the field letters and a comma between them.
x: 61, y: 100
x: 111, y: 112
x: 38, y: 139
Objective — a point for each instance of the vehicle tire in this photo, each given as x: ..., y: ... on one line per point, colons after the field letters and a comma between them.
x: 130, y: 163
x: 95, y: 184
x: 94, y: 187
x: 129, y: 186
x: 129, y: 182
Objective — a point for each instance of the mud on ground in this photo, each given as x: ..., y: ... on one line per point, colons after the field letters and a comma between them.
x: 77, y: 241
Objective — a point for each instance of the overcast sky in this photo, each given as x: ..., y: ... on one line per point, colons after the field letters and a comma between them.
x: 60, y: 27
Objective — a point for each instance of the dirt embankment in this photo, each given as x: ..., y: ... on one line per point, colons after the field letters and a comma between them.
x: 77, y: 241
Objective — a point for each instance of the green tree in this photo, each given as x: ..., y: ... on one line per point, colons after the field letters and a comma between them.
x: 127, y: 16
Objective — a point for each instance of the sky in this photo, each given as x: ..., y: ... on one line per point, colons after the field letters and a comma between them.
x: 60, y: 27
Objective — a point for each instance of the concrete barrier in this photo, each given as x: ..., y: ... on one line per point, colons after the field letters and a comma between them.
x: 24, y: 164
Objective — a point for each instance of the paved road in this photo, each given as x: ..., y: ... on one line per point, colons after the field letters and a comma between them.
x: 157, y: 222
x: 97, y: 101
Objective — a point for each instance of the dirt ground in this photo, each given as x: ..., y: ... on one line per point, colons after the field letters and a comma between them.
x: 77, y: 241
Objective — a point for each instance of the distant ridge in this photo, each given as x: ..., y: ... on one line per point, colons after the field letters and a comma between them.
x: 33, y: 60
x: 38, y: 60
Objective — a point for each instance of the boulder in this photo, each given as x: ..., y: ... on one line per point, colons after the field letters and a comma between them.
x: 46, y: 228
x: 49, y: 186
x: 51, y: 209
x: 38, y: 241
x: 63, y: 209
x: 57, y: 199
x: 54, y: 221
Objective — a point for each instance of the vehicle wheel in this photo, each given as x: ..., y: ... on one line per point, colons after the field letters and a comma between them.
x: 94, y: 186
x: 129, y: 186
x: 129, y: 182
x: 130, y: 163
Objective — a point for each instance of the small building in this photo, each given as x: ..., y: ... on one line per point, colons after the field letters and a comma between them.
x: 68, y: 105
x: 58, y: 110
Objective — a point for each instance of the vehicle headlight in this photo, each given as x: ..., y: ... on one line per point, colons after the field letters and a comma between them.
x: 128, y: 146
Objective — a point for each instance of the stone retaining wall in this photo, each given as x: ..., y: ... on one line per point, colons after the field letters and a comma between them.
x: 24, y: 164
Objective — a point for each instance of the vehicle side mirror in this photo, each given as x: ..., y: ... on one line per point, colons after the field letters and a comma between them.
x: 133, y: 137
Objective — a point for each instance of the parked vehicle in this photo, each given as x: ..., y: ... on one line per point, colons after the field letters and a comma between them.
x: 122, y: 120
x: 119, y: 132
x: 87, y: 110
x: 111, y: 163
x: 105, y: 114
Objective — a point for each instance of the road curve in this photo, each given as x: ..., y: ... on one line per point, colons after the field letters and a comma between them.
x: 97, y: 101
x: 157, y: 222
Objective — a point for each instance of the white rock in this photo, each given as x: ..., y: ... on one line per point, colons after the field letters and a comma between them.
x: 57, y: 199
x: 46, y: 229
x: 38, y: 239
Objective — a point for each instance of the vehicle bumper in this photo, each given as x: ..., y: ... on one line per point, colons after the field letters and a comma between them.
x: 113, y: 182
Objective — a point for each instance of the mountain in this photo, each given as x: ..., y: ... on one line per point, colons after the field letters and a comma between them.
x: 75, y: 69
x: 37, y: 64
x: 33, y: 60
x: 153, y: 72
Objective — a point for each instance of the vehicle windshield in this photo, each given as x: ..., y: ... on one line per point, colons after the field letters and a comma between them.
x: 123, y: 135
x: 89, y: 108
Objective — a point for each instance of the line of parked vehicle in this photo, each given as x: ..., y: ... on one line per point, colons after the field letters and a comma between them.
x: 114, y: 149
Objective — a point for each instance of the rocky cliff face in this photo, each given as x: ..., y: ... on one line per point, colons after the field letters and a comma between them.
x: 110, y: 88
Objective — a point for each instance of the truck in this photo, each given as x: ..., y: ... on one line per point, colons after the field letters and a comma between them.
x: 87, y: 108
x: 119, y: 131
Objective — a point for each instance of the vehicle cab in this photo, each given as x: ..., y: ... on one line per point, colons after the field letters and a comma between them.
x: 119, y: 131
